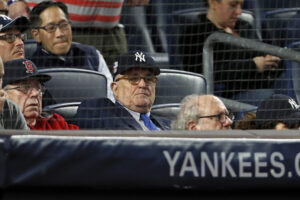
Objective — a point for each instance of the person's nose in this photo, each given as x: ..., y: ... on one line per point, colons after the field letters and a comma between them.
x: 58, y: 32
x: 142, y: 82
x: 228, y: 122
x: 238, y: 9
x: 19, y: 42
x: 34, y: 92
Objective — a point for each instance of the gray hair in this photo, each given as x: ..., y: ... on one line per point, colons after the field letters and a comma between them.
x: 189, y: 110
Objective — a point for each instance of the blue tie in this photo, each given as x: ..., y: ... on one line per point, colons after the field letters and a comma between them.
x: 148, y: 123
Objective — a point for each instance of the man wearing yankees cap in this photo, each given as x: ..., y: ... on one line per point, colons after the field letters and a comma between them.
x: 23, y: 85
x: 11, y: 37
x: 135, y: 76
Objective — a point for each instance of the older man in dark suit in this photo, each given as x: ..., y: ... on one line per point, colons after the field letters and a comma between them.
x: 134, y: 90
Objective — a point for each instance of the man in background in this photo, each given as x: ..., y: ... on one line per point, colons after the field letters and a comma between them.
x: 17, y: 8
x: 11, y: 116
x: 51, y: 29
x: 11, y: 37
x: 204, y: 112
x: 100, y: 21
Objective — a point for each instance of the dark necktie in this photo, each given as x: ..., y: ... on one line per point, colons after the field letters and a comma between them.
x: 148, y: 123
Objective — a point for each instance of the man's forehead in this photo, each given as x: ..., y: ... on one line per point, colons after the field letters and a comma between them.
x: 27, y: 81
x: 50, y: 14
x: 138, y: 70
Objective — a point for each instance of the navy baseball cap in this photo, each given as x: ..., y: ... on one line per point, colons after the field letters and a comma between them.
x: 278, y: 108
x: 134, y: 59
x: 20, y: 23
x: 22, y: 69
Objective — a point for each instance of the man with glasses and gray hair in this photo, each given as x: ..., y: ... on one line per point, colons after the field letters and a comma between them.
x: 23, y: 85
x: 11, y: 37
x: 204, y: 112
x: 135, y: 76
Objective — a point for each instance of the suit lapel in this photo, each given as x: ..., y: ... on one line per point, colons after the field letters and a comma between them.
x: 127, y: 118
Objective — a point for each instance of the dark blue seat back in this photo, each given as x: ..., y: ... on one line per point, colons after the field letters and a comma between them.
x: 281, y: 26
x: 74, y: 85
x: 173, y: 85
x: 291, y: 78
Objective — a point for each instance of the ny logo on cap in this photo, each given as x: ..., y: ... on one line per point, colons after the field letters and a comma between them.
x: 28, y: 66
x: 293, y: 104
x: 140, y: 56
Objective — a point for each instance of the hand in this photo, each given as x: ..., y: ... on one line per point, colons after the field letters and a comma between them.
x: 132, y: 3
x: 267, y: 62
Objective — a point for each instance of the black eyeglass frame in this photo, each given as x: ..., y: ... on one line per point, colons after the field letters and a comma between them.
x: 147, y: 79
x: 28, y: 88
x: 55, y: 26
x: 218, y: 116
x: 11, y: 38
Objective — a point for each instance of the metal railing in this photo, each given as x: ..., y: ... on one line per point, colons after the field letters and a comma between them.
x: 208, y: 60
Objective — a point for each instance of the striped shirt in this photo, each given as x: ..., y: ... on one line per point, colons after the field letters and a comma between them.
x: 90, y: 13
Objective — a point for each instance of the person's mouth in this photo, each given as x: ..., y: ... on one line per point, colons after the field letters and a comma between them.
x: 20, y: 52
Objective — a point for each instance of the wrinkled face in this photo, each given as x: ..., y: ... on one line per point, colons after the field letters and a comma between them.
x: 17, y: 9
x: 226, y: 12
x: 139, y: 96
x: 28, y: 99
x: 59, y: 41
x: 11, y: 51
x: 215, y: 107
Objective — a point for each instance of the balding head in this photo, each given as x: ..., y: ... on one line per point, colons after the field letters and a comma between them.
x: 194, y: 111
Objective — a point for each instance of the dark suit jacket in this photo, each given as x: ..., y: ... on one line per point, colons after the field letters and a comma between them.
x: 105, y: 115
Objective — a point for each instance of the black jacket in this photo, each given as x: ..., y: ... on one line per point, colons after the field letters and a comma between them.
x: 105, y: 115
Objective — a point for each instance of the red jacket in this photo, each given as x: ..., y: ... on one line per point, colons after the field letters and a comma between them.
x: 55, y: 122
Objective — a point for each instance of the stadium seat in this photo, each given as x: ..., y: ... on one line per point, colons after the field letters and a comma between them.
x: 67, y: 110
x: 159, y: 14
x: 186, y: 17
x: 74, y: 85
x: 173, y: 85
x: 289, y: 84
x: 282, y: 26
x: 29, y: 47
x: 168, y: 110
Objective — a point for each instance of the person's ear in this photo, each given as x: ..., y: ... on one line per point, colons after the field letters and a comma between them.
x: 114, y: 87
x: 36, y: 35
x: 191, y: 125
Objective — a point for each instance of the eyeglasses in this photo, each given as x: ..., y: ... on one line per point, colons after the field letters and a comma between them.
x: 134, y: 80
x: 28, y: 88
x: 51, y: 28
x: 10, y: 38
x: 221, y: 117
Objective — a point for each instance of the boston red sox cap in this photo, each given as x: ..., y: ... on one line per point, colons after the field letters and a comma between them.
x: 20, y: 23
x: 280, y: 108
x: 135, y: 59
x: 21, y: 69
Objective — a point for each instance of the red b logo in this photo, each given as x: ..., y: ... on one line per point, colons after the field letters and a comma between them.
x: 28, y: 66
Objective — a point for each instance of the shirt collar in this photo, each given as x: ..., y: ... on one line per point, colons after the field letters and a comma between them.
x: 135, y: 115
